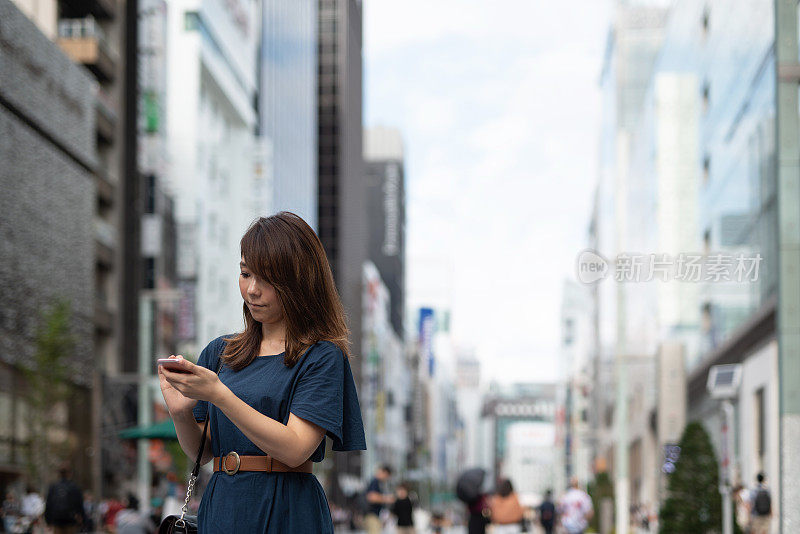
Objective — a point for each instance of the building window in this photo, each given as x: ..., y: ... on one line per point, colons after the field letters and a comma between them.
x: 150, y: 194
x: 706, y: 95
x: 568, y: 331
x: 191, y: 21
x: 705, y: 21
x: 149, y: 273
x: 759, y: 410
x: 706, y: 169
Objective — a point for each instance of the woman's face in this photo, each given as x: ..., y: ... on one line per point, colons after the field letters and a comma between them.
x: 260, y: 296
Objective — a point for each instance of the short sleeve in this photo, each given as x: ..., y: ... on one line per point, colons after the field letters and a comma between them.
x: 209, y: 358
x: 325, y: 394
x: 374, y: 485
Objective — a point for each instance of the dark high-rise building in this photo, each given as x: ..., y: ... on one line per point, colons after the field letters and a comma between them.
x: 47, y: 251
x: 341, y: 220
x: 70, y: 160
x: 386, y: 210
x: 101, y: 38
x: 101, y: 35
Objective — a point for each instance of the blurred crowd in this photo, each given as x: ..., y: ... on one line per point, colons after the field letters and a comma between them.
x: 382, y: 508
x: 65, y: 509
x: 499, y: 511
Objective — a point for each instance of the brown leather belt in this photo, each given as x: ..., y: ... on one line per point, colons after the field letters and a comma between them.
x: 232, y: 463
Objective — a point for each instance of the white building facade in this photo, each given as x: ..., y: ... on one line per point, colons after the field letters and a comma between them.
x: 218, y: 171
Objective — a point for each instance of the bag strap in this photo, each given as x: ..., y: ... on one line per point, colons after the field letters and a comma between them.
x: 196, y: 469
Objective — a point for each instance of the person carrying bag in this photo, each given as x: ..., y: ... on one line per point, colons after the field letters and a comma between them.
x: 506, y: 511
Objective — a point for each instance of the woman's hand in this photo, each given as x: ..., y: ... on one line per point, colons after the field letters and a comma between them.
x: 182, y: 390
x: 176, y: 402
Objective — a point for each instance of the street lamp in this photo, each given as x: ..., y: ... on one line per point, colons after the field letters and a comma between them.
x: 723, y: 384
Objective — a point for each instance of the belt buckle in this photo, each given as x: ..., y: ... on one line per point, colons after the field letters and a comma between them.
x: 225, y: 463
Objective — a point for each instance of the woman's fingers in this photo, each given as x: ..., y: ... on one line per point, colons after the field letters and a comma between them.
x: 173, y: 378
x: 177, y: 385
x: 180, y: 382
x: 184, y: 364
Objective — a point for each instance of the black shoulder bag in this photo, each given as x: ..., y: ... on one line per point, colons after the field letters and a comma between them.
x: 187, y: 524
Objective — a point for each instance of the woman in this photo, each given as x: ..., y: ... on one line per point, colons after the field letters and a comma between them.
x: 506, y: 511
x: 478, y: 515
x: 285, y: 382
x: 402, y: 509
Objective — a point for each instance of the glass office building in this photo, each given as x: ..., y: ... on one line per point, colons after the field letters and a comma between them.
x: 288, y: 104
x: 738, y: 208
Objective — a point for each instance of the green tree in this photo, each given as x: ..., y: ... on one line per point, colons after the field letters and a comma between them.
x: 48, y: 387
x: 693, y: 501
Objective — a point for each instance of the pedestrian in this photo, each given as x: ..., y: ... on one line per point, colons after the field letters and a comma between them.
x: 741, y: 501
x: 63, y: 507
x: 505, y: 510
x: 547, y: 513
x: 11, y: 512
x: 644, y: 517
x: 378, y: 496
x: 156, y: 512
x: 110, y: 509
x: 437, y: 522
x: 90, y: 512
x: 575, y: 509
x: 403, y: 510
x: 129, y: 520
x: 479, y: 515
x: 32, y: 508
x: 760, y: 507
x: 284, y: 383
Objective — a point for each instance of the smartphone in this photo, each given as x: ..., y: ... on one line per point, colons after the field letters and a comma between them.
x: 172, y: 365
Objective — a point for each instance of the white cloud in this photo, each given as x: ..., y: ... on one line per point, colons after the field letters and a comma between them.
x: 499, y: 106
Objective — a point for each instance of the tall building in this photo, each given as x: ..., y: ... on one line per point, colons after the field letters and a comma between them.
x: 387, y: 382
x: 288, y: 103
x: 48, y: 243
x: 386, y: 210
x: 219, y: 169
x: 158, y: 240
x: 468, y: 403
x: 342, y: 219
x: 575, y: 385
x: 160, y: 298
x: 692, y: 161
x: 738, y: 198
x: 633, y: 46
x: 101, y: 36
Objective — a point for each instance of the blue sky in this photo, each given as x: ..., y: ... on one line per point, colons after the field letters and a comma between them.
x: 499, y: 107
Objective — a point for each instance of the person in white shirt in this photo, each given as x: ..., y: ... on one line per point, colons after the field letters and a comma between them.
x: 32, y: 507
x: 575, y: 509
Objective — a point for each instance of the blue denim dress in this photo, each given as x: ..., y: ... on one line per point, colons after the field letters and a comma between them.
x: 319, y: 388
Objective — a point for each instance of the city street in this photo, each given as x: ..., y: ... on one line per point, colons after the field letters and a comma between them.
x: 365, y: 261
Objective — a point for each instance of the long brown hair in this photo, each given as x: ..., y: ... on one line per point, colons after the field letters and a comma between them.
x: 285, y: 252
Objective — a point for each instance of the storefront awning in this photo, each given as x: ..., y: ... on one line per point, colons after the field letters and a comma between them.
x: 163, y: 430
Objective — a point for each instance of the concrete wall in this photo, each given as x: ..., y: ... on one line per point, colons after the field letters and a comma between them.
x: 46, y: 209
x: 760, y: 370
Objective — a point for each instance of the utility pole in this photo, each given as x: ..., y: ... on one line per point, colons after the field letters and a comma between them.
x: 148, y: 300
x: 145, y: 474
x: 787, y: 158
x: 621, y: 485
